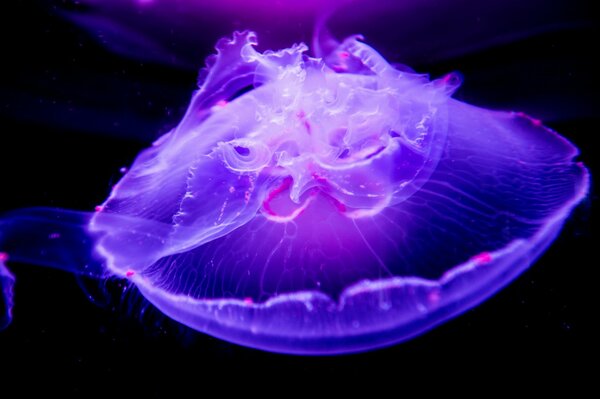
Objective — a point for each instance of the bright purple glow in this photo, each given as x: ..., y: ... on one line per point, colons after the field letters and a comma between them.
x: 272, y: 6
x: 322, y: 205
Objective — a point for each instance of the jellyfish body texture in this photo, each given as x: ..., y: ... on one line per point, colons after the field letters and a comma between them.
x: 331, y: 204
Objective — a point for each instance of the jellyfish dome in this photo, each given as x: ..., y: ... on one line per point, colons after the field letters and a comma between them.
x: 318, y: 205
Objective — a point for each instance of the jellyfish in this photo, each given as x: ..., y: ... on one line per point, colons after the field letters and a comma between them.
x: 319, y: 204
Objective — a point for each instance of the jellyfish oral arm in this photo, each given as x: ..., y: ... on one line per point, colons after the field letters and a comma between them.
x: 51, y: 237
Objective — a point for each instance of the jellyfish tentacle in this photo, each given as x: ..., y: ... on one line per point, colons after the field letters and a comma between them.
x: 7, y: 281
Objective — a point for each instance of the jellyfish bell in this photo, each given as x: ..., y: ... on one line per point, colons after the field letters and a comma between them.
x: 319, y: 205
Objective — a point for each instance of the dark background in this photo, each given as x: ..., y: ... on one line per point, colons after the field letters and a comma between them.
x: 72, y: 113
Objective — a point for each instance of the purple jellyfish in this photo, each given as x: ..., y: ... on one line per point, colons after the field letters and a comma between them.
x: 318, y: 205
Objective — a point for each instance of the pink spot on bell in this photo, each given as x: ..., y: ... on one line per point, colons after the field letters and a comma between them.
x: 98, y: 208
x: 248, y: 301
x: 483, y: 258
x: 3, y: 256
x: 434, y: 297
x: 344, y: 54
x: 129, y: 273
x: 221, y: 103
x: 534, y: 121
